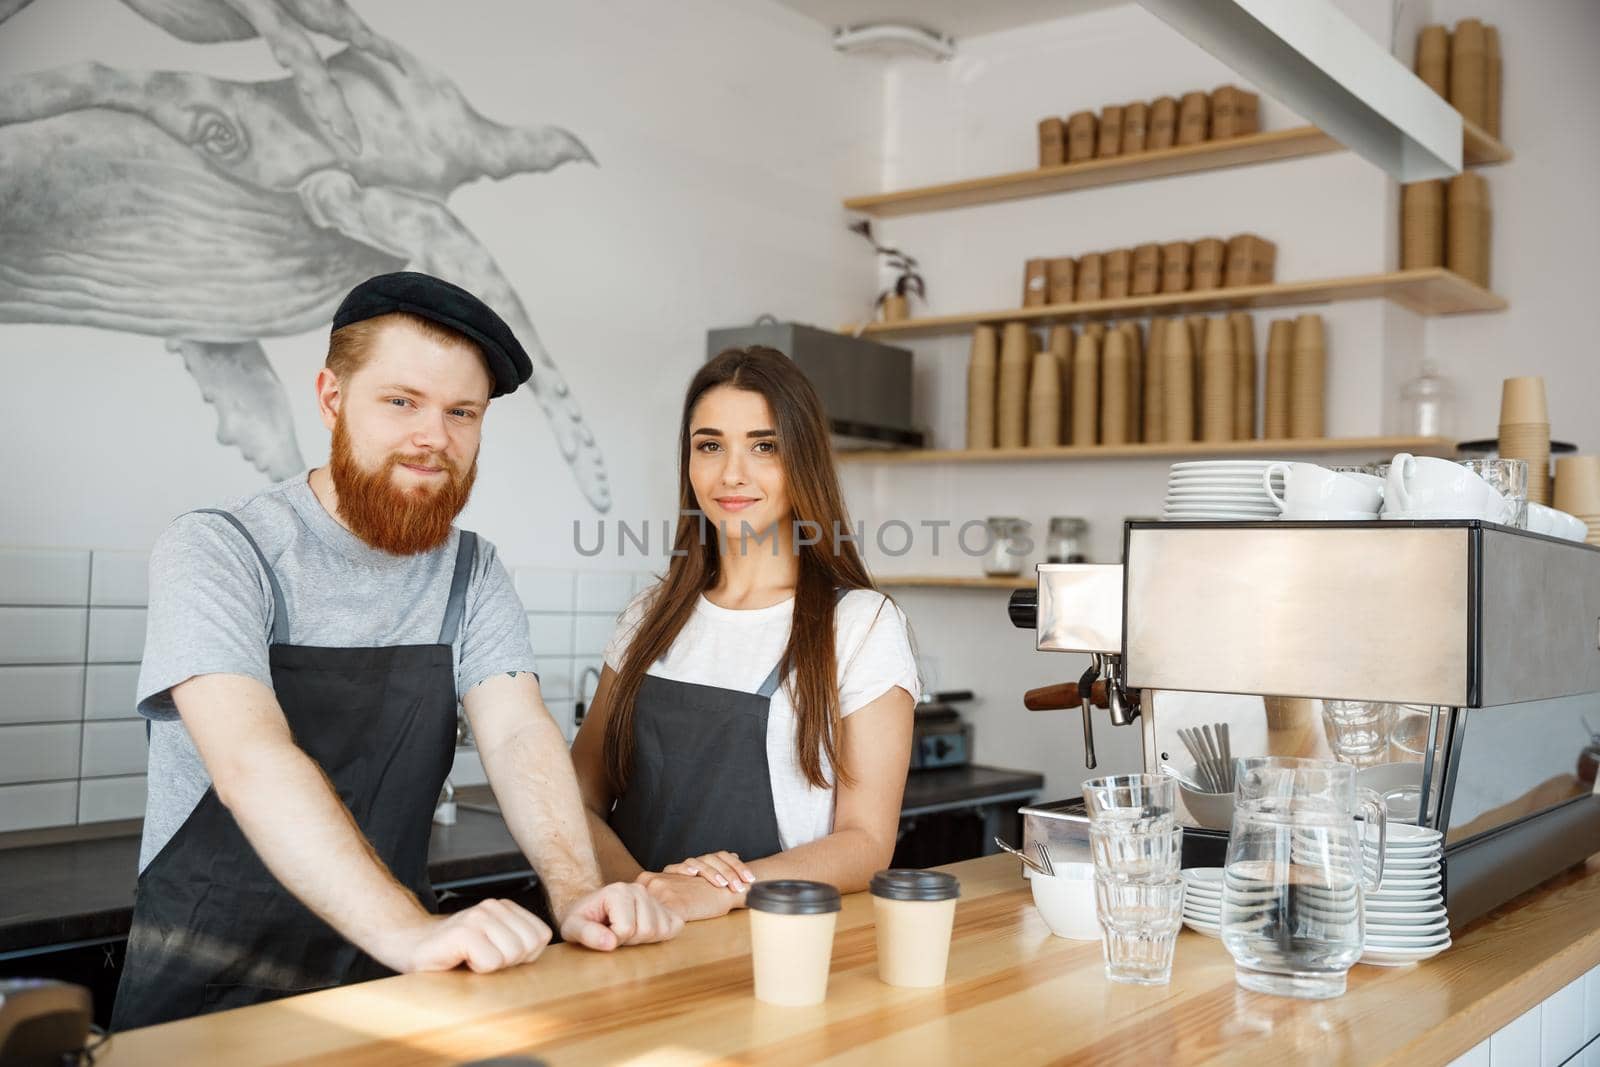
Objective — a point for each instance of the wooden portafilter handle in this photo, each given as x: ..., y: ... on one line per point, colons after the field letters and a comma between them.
x: 1064, y: 696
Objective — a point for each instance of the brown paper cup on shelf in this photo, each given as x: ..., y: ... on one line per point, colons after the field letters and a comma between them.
x: 1097, y: 329
x: 1238, y: 261
x: 1177, y: 386
x: 1491, y: 101
x: 1052, y: 142
x: 1263, y: 260
x: 1197, y: 346
x: 1280, y: 356
x: 1086, y: 390
x: 1216, y: 413
x: 1135, y: 379
x: 1035, y: 283
x: 1163, y: 132
x: 1011, y: 412
x: 1467, y: 227
x: 1225, y: 112
x: 1061, y: 339
x: 1135, y: 127
x: 1146, y: 278
x: 1091, y: 276
x: 1150, y: 418
x: 1469, y: 71
x: 1118, y: 270
x: 1433, y: 59
x: 1422, y: 225
x: 1044, y: 401
x: 1114, y: 374
x: 1061, y: 280
x: 1176, y: 257
x: 1081, y: 132
x: 1307, y: 401
x: 1523, y: 400
x: 1194, y: 118
x: 983, y: 368
x: 1244, y: 375
x: 1110, y: 140
x: 1578, y: 486
x: 1208, y: 259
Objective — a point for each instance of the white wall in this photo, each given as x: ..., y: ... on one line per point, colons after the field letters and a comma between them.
x: 726, y: 132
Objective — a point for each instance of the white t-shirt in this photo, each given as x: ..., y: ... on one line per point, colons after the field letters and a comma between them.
x: 734, y: 649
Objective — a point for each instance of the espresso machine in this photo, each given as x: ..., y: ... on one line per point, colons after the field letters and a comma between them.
x: 1488, y: 635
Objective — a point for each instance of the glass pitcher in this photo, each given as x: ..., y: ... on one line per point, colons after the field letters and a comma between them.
x: 1296, y: 870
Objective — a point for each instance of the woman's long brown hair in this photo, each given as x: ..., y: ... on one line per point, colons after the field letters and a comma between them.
x: 831, y: 564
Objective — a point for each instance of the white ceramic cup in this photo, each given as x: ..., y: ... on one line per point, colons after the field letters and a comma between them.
x: 1422, y: 487
x: 1066, y: 901
x: 1310, y: 488
x: 1554, y: 523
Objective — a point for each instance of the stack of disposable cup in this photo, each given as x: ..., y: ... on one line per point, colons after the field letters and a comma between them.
x: 982, y: 379
x: 1011, y: 412
x: 1525, y: 432
x: 1280, y: 354
x: 1577, y: 491
x: 1217, y: 404
x: 1154, y: 385
x: 1308, y: 378
x: 1086, y: 389
x: 1244, y: 375
x: 1115, y: 378
x: 1177, y: 381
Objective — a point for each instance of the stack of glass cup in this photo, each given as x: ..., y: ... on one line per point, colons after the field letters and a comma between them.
x: 1136, y: 843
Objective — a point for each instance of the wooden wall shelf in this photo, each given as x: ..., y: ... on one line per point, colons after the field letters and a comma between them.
x: 1428, y: 291
x: 1417, y: 446
x: 937, y: 581
x: 1477, y: 148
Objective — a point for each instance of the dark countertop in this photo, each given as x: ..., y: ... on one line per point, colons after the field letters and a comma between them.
x: 83, y: 890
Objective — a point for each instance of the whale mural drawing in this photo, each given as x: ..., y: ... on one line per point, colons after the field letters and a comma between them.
x: 214, y: 213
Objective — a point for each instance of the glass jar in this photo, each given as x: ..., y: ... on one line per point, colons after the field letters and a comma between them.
x: 1009, y: 546
x: 1426, y: 404
x: 1068, y: 541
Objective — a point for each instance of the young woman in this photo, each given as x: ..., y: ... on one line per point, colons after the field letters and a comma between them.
x: 753, y: 720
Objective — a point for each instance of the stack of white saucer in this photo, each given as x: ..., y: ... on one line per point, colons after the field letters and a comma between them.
x: 1405, y: 918
x: 1202, y: 899
x: 1220, y: 490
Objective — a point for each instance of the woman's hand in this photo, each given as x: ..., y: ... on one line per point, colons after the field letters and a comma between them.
x: 722, y: 869
x: 689, y: 897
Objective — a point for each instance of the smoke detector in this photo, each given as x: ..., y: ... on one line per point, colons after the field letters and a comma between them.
x: 894, y: 39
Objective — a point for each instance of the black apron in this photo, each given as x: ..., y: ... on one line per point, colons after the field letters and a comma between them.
x: 212, y: 928
x: 700, y: 780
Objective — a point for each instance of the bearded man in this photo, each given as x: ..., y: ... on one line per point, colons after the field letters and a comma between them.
x: 305, y: 654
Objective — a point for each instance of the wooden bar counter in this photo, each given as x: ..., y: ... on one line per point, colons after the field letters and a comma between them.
x: 1015, y: 995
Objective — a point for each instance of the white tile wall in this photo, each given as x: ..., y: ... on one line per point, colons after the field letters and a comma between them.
x: 42, y: 635
x: 41, y: 694
x: 591, y: 632
x: 29, y: 807
x: 39, y: 753
x: 38, y: 577
x: 603, y: 591
x: 550, y: 635
x: 104, y: 799
x: 109, y: 690
x: 1561, y: 1026
x: 116, y: 635
x: 542, y: 590
x: 1517, y: 1044
x: 555, y: 678
x: 113, y: 748
x: 120, y: 579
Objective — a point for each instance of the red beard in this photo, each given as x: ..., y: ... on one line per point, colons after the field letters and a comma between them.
x: 401, y: 522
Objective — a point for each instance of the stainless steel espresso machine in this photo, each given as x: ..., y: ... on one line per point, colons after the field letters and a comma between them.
x: 1490, y: 635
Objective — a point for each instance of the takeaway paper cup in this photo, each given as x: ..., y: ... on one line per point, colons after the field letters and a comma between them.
x: 791, y: 940
x: 915, y: 912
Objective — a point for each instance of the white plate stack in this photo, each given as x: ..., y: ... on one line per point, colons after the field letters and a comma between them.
x: 1405, y: 919
x: 1218, y: 490
x: 1202, y: 900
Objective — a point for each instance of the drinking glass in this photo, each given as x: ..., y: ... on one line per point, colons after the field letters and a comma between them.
x: 1133, y: 802
x: 1140, y: 923
x: 1510, y: 479
x: 1357, y: 730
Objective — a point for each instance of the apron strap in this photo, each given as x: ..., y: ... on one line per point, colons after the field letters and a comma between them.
x: 280, y: 613
x: 770, y: 686
x: 466, y: 552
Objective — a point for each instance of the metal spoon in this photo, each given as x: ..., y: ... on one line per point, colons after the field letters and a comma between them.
x: 1044, y: 859
x: 1194, y: 786
x: 1027, y: 860
x: 1227, y: 754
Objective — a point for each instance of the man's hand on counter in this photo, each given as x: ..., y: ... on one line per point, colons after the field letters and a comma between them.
x: 489, y: 936
x: 619, y: 914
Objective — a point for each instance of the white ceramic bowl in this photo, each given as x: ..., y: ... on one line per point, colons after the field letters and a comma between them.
x: 1214, y: 811
x: 1066, y: 901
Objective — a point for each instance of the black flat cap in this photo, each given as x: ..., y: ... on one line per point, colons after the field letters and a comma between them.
x: 448, y: 305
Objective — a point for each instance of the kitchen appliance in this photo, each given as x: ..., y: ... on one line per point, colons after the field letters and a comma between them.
x: 939, y: 736
x: 865, y: 386
x: 1496, y: 631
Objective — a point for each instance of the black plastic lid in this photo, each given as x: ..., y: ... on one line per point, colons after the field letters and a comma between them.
x: 903, y: 883
x: 790, y: 896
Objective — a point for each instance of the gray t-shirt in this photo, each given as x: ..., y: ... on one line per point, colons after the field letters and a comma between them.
x: 211, y: 612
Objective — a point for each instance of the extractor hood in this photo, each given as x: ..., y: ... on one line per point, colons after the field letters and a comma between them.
x: 1311, y: 57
